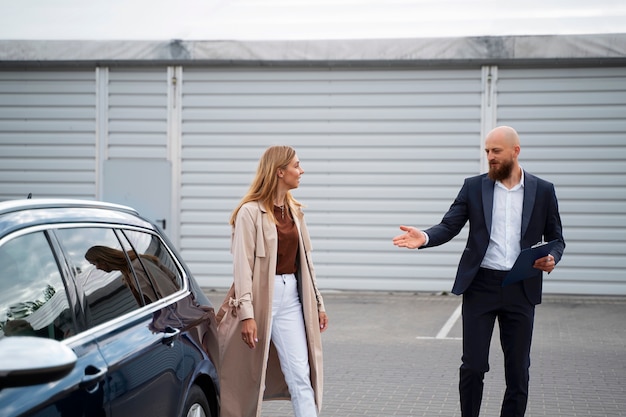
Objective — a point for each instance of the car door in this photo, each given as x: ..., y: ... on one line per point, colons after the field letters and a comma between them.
x: 122, y: 304
x: 35, y: 300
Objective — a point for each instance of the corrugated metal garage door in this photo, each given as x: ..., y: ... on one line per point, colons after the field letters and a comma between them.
x: 573, y: 127
x: 380, y: 148
x: 47, y: 134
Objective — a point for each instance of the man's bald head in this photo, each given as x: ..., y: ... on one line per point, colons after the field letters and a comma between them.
x: 502, y: 148
x: 505, y: 133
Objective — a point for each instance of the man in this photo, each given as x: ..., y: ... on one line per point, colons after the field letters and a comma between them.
x: 508, y: 210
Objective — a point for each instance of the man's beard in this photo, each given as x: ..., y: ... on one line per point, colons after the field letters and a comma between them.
x: 502, y: 172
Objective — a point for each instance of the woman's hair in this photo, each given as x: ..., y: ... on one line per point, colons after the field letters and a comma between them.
x: 115, y: 258
x: 265, y: 184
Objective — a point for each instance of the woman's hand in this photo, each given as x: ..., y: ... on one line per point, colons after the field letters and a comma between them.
x: 323, y: 321
x: 248, y: 333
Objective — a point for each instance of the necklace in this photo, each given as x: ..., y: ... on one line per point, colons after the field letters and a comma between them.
x: 282, y: 210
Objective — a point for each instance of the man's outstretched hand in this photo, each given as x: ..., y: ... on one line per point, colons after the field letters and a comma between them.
x: 412, y: 239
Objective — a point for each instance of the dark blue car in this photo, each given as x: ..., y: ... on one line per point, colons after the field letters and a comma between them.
x: 99, y: 316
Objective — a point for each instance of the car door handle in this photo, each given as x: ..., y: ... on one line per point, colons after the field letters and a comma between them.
x: 93, y: 377
x: 169, y: 335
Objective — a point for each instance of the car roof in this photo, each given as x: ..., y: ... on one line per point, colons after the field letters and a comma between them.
x: 32, y: 203
x: 18, y: 214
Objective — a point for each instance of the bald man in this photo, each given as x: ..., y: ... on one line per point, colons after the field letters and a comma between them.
x: 508, y: 210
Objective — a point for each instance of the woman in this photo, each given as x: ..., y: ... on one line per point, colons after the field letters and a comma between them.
x: 273, y: 315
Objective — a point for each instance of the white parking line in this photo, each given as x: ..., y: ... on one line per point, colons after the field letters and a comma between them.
x: 443, y: 333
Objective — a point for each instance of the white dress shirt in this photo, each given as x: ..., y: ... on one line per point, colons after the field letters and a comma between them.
x: 506, y: 227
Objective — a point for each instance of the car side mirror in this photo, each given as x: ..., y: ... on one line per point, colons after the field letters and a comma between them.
x: 27, y: 360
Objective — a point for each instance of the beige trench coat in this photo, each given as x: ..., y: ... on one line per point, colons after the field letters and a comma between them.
x: 249, y: 376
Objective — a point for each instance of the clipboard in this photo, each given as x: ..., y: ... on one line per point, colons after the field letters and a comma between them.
x: 523, y: 267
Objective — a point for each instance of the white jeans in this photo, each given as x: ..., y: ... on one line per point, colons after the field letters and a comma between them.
x: 289, y: 338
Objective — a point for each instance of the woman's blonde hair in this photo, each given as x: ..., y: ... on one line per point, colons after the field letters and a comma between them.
x: 115, y: 258
x: 265, y: 184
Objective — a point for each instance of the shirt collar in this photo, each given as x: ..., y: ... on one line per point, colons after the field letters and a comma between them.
x: 520, y: 184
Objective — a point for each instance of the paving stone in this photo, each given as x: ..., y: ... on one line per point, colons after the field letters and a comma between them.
x: 382, y: 357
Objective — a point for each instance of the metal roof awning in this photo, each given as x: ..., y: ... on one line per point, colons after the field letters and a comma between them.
x: 563, y: 49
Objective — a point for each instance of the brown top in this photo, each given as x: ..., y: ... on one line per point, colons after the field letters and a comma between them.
x: 287, y: 241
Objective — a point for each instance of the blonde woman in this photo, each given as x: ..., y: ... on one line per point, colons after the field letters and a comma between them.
x: 271, y: 321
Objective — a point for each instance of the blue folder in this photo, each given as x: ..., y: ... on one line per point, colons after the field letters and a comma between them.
x: 523, y: 267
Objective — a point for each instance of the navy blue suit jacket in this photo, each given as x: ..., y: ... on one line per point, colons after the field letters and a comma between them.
x: 540, y: 221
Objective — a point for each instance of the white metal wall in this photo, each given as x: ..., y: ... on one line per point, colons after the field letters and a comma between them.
x: 47, y: 134
x: 139, y: 135
x: 379, y: 148
x: 137, y: 120
x: 573, y: 127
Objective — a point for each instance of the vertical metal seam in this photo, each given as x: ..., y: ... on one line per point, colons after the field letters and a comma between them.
x: 488, y: 109
x: 102, y: 132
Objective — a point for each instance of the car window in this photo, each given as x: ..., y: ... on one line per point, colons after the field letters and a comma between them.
x: 103, y: 272
x: 33, y: 297
x: 155, y: 269
x: 119, y: 271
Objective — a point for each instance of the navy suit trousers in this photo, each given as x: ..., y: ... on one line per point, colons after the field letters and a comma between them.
x: 483, y: 302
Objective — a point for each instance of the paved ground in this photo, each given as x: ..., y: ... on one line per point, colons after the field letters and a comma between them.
x: 398, y: 354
